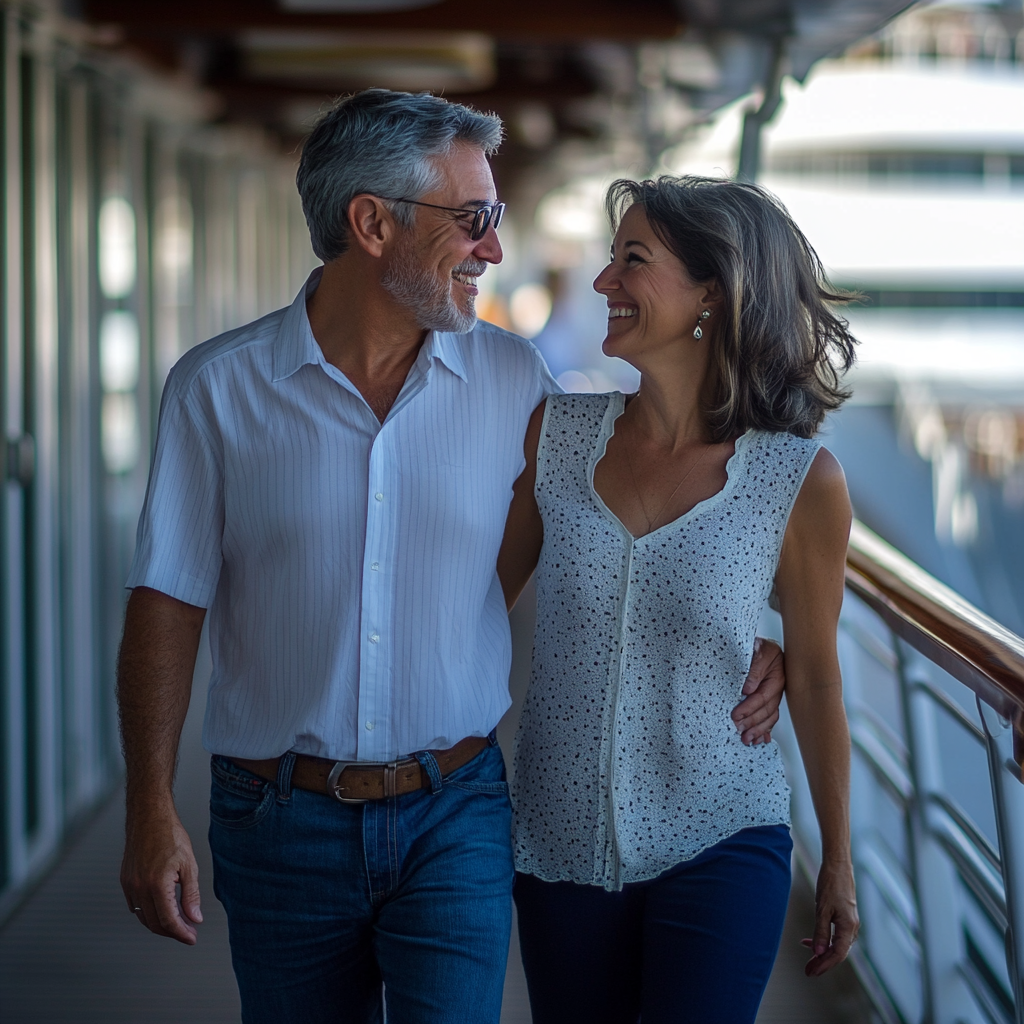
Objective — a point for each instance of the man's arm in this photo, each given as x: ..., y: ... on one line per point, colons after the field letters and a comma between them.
x: 154, y: 682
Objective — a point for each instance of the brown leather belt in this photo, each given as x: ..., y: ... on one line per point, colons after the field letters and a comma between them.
x: 355, y: 782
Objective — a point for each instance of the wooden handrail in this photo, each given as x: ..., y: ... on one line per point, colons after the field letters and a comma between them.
x: 970, y: 645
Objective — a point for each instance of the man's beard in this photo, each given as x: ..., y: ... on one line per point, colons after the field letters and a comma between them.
x: 429, y: 296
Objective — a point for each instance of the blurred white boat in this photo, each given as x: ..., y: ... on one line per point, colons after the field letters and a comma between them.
x: 907, y: 175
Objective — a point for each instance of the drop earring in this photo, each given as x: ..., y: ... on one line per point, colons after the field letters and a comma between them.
x: 697, y: 332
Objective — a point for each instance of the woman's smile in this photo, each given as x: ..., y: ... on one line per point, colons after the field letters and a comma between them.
x: 619, y: 310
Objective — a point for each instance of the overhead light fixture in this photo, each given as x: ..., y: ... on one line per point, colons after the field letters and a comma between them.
x: 457, y: 61
x: 354, y: 6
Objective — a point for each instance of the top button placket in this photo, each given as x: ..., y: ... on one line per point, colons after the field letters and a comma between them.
x: 374, y: 740
x: 376, y: 643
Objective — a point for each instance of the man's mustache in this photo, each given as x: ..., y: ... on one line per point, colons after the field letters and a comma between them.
x: 471, y: 268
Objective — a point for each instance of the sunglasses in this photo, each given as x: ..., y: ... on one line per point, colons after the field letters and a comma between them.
x: 483, y: 218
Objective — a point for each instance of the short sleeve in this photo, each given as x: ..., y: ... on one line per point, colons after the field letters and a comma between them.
x: 543, y: 383
x: 178, y: 544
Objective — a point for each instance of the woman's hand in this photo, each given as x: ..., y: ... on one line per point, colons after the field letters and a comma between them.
x: 836, y: 921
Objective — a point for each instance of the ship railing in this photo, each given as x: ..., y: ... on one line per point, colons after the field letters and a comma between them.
x: 934, y: 692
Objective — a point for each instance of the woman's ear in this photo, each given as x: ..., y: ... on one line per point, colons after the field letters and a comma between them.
x: 711, y: 297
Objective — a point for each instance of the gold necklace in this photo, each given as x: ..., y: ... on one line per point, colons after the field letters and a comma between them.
x: 640, y: 497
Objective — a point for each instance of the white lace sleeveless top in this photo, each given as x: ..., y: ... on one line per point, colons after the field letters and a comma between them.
x: 627, y: 761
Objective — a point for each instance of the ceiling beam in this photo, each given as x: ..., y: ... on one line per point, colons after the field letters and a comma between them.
x: 537, y: 20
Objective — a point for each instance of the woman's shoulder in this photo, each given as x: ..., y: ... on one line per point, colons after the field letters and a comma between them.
x: 815, y: 470
x: 825, y: 477
x: 822, y: 509
x: 566, y: 425
x: 781, y: 459
x: 780, y: 446
x: 583, y: 401
x: 575, y: 406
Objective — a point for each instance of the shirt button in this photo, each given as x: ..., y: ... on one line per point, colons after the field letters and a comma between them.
x: 374, y: 637
x: 375, y: 566
x: 369, y: 726
x: 379, y: 496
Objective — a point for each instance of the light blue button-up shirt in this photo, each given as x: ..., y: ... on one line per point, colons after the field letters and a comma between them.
x: 348, y: 566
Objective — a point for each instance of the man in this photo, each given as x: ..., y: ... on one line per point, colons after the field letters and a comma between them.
x: 332, y: 483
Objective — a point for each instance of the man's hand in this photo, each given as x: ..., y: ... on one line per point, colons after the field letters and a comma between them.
x: 158, y: 859
x: 755, y: 716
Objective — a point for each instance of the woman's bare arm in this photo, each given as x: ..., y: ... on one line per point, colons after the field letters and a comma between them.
x: 810, y: 583
x: 524, y: 529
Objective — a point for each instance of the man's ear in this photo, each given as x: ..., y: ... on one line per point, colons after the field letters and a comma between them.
x: 370, y: 224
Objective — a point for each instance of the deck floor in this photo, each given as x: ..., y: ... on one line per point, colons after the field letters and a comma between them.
x: 72, y: 954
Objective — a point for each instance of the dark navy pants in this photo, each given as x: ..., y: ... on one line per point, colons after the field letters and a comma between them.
x: 328, y: 904
x: 695, y: 945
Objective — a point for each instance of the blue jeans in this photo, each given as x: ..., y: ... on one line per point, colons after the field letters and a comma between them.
x: 329, y: 904
x: 695, y: 945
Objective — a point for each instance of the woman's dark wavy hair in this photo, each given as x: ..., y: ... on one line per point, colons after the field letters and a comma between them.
x: 778, y: 349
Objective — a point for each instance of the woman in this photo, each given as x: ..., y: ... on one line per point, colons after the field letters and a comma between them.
x: 652, y: 846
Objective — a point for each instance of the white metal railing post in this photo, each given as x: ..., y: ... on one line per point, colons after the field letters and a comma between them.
x: 934, y: 876
x: 1008, y: 798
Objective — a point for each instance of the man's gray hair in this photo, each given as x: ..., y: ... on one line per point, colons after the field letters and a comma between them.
x: 380, y: 142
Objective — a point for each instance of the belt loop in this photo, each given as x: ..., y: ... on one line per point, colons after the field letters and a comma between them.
x: 429, y: 764
x: 285, y: 767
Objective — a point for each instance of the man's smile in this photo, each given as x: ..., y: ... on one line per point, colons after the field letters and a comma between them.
x: 467, y: 273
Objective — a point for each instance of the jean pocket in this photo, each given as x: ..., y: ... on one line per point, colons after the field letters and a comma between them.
x: 238, y: 799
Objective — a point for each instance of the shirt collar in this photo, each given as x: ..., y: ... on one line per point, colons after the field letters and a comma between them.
x: 296, y: 345
x: 447, y: 348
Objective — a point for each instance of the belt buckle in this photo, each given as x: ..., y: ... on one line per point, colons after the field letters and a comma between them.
x: 334, y: 780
